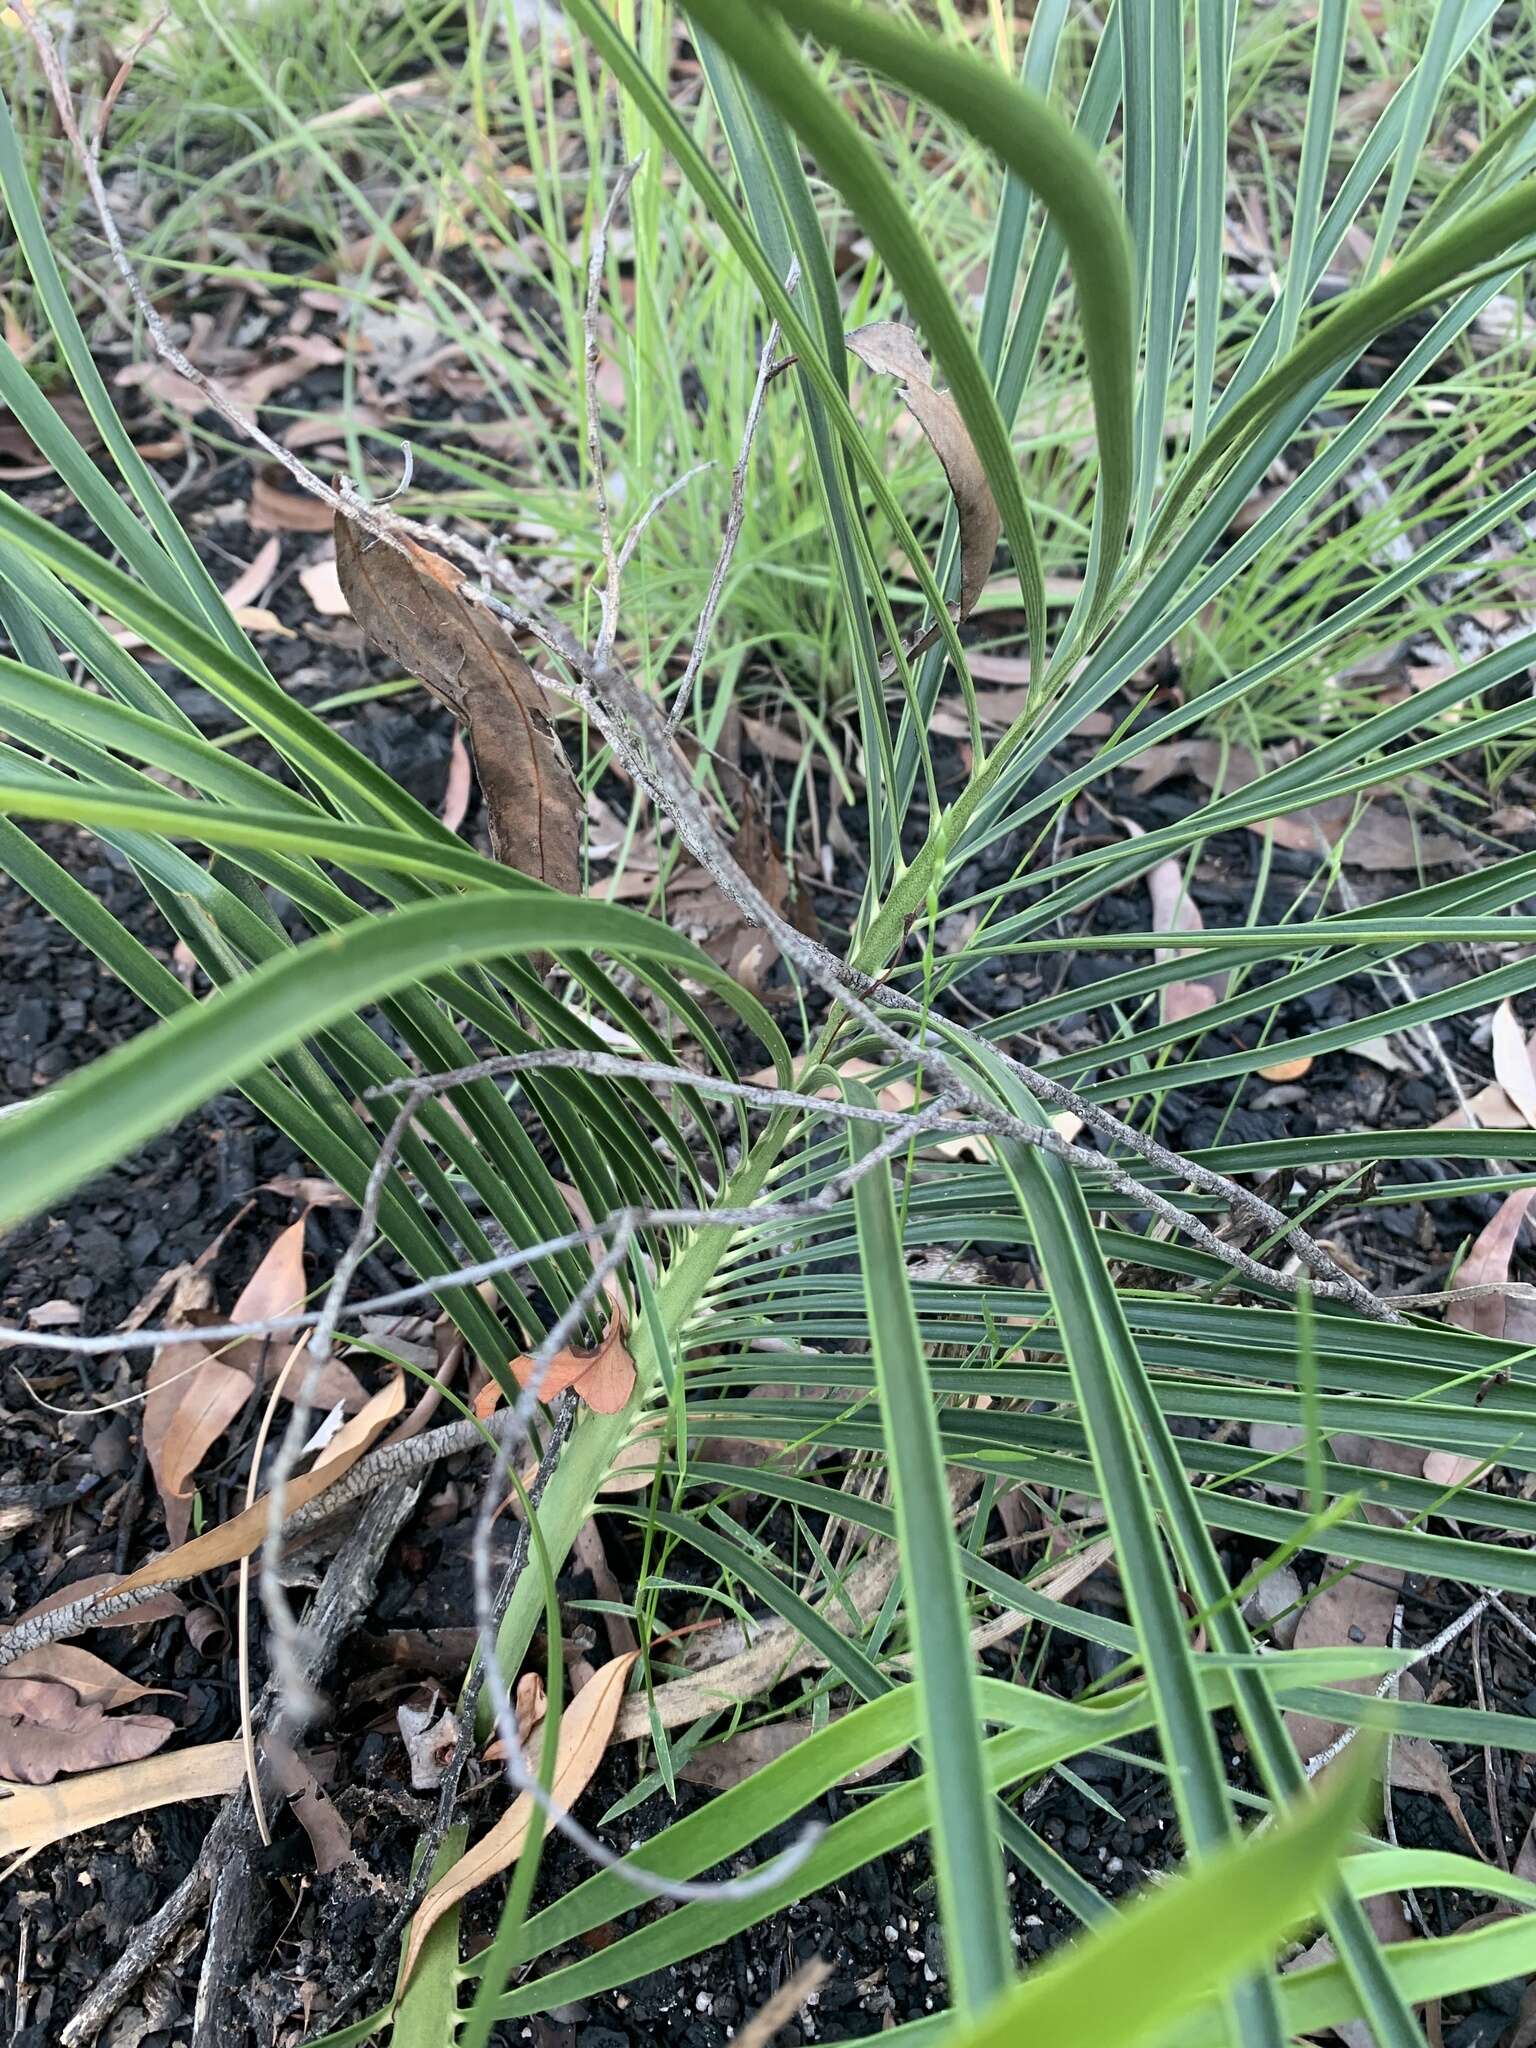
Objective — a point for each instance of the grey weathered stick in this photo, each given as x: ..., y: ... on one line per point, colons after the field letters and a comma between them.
x: 612, y: 570
x: 387, y: 1959
x: 345, y: 1593
x: 733, y: 521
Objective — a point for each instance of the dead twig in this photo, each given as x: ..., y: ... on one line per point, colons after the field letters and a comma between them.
x: 598, y: 258
x: 386, y: 1962
x: 733, y: 521
x: 1388, y: 1686
x: 345, y: 1593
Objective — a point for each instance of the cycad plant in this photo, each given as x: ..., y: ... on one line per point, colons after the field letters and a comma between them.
x: 1050, y: 1306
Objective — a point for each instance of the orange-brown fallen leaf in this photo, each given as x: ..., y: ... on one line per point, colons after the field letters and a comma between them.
x: 586, y: 1728
x: 603, y: 1378
x: 1288, y: 1070
x: 192, y: 1399
x: 278, y: 1286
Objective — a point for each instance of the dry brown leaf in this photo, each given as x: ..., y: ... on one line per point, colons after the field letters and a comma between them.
x: 721, y: 1765
x: 1376, y: 838
x: 245, y: 1532
x: 1495, y: 1315
x: 1512, y: 1065
x: 251, y: 584
x: 1003, y: 668
x: 276, y: 509
x: 1174, y: 910
x: 311, y: 1190
x: 279, y: 1284
x: 699, y: 908
x: 1487, y: 1265
x: 530, y: 1703
x: 206, y: 1629
x: 317, y: 427
x: 997, y: 709
x: 330, y: 1839
x: 193, y: 1398
x: 409, y: 605
x: 894, y: 351
x: 305, y: 352
x: 42, y: 1700
x: 241, y: 598
x: 35, y: 1753
x: 38, y: 1816
x: 54, y: 1315
x: 1490, y: 1108
x: 90, y: 1679
x: 321, y: 586
x: 276, y: 1288
x: 586, y: 1728
x: 457, y: 788
x: 1221, y: 769
x: 1288, y: 1070
x: 1354, y: 1609
x: 634, y: 1469
x: 603, y: 1378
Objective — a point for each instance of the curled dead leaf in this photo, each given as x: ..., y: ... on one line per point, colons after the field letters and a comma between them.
x: 894, y: 351
x: 409, y: 603
x: 604, y: 1378
x: 330, y: 1839
x: 586, y: 1728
